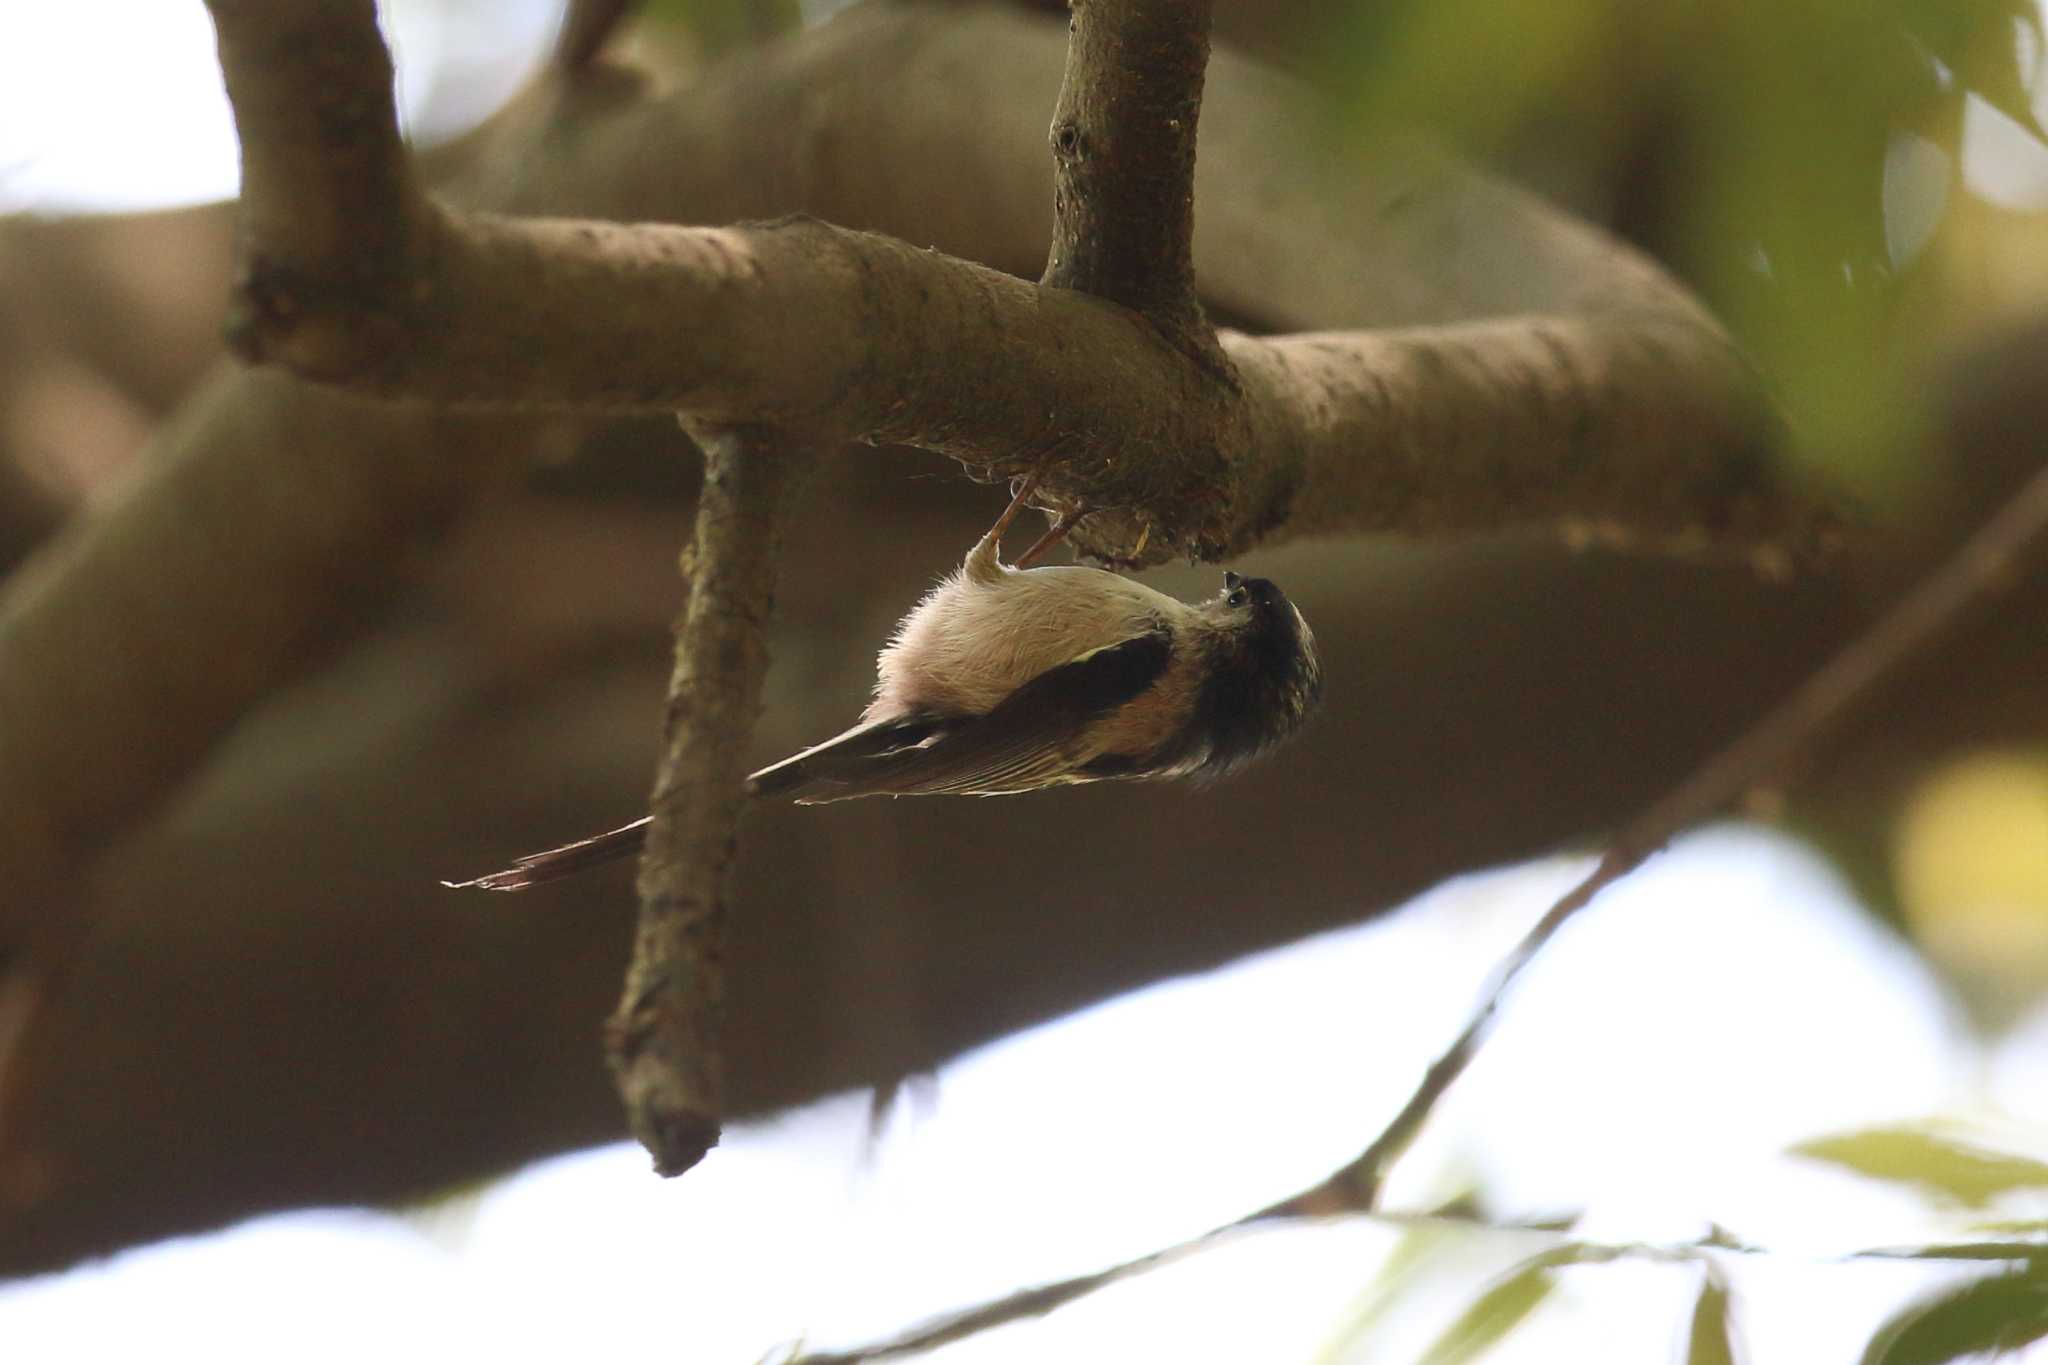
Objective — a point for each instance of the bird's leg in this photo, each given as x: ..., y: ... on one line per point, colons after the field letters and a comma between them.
x: 984, y: 562
x: 1017, y: 504
x: 1054, y: 534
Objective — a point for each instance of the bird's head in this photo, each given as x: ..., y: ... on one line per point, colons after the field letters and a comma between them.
x: 1266, y: 677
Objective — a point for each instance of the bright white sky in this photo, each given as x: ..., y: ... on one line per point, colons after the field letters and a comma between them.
x: 1723, y: 1003
x: 69, y: 138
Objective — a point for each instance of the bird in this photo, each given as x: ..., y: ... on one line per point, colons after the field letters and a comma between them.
x: 1007, y: 679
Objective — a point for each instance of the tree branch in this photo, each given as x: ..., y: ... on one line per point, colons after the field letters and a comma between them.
x: 1510, y: 422
x: 666, y: 1040
x: 264, y: 522
x: 331, y: 212
x: 1043, y: 1299
x: 1123, y: 145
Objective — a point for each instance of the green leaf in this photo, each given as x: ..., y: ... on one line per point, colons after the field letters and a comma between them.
x: 1915, y: 1156
x: 2013, y: 1227
x: 1963, y: 1251
x: 1419, y: 1253
x: 1510, y: 1299
x: 2001, y: 1313
x: 1713, y: 1327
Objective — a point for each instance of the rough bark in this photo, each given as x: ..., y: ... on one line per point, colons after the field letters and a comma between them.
x: 870, y: 338
x: 666, y: 1040
x: 1123, y: 147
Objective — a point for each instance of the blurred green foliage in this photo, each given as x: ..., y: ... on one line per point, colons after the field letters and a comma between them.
x: 1996, y: 1314
x: 1422, y: 1252
x: 1753, y: 144
x: 1956, y: 1165
x: 1929, y: 1161
x: 1712, y: 1340
x: 1507, y: 1303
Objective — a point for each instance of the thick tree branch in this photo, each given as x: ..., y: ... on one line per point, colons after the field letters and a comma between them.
x: 1462, y: 429
x: 330, y: 208
x: 666, y: 1039
x: 1123, y: 145
x: 1523, y: 420
x: 139, y: 635
x: 1290, y: 238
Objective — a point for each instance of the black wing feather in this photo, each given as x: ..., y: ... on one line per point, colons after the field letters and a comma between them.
x: 843, y: 756
x: 1024, y: 742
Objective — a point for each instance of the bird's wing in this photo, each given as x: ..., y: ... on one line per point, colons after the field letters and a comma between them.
x: 1026, y: 741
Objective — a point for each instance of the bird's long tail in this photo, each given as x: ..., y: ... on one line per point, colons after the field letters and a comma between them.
x: 819, y: 773
x: 555, y: 863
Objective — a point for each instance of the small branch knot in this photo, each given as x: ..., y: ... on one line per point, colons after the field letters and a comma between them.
x: 678, y: 1139
x: 321, y: 330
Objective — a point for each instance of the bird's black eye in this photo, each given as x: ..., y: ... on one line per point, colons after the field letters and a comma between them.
x: 1237, y: 598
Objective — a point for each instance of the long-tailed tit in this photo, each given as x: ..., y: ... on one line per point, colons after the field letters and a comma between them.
x: 1006, y: 680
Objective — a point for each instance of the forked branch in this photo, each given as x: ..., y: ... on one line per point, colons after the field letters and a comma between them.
x: 1636, y: 417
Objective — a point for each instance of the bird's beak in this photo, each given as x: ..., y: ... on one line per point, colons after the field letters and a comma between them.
x: 1231, y: 580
